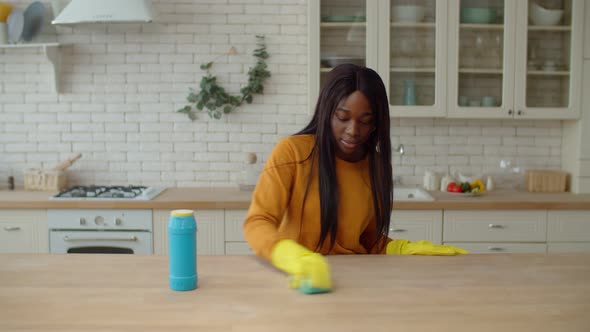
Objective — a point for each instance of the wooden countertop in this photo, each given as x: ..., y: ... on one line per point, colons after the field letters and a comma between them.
x: 501, y: 292
x: 229, y: 198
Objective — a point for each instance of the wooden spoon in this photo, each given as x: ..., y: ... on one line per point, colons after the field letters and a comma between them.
x: 67, y: 163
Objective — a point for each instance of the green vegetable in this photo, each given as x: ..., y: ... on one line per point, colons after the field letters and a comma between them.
x: 465, y: 187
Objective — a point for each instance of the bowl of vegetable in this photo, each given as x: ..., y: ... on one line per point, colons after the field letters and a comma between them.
x: 474, y: 188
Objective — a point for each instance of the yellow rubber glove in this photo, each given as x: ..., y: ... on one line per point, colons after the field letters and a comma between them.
x: 422, y: 247
x: 309, y: 272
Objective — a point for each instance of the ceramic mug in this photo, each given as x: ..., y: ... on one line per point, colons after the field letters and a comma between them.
x: 488, y: 101
x: 463, y: 101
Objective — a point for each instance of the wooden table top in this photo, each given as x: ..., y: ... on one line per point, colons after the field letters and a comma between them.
x: 500, y: 292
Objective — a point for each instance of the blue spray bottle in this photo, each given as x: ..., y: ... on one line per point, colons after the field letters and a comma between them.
x: 182, y: 250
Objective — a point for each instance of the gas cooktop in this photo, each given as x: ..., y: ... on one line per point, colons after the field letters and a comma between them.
x: 130, y: 193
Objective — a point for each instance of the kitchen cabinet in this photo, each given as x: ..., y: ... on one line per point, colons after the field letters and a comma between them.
x: 340, y: 31
x: 51, y: 52
x: 511, y: 68
x: 563, y: 247
x: 443, y: 65
x: 410, y: 57
x: 587, y: 31
x: 568, y: 230
x: 489, y: 231
x: 584, y: 140
x: 23, y: 231
x: 235, y: 243
x: 210, y: 232
x: 416, y: 225
x: 413, y: 55
x: 506, y: 247
x: 412, y: 225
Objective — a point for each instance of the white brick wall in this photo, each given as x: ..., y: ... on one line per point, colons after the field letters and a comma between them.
x: 121, y: 85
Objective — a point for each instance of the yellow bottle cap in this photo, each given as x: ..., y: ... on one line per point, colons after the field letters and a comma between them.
x: 182, y: 213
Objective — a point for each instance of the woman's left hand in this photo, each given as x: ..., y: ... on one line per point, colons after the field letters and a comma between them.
x: 422, y: 247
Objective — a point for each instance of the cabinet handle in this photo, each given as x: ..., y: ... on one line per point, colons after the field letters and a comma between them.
x: 397, y: 230
x: 519, y: 112
x: 70, y: 239
x: 510, y: 112
x: 495, y: 226
x: 495, y: 249
x: 11, y: 228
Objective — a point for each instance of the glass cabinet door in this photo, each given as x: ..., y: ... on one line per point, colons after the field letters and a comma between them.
x: 482, y: 69
x: 343, y: 34
x: 343, y: 31
x: 412, y: 56
x: 548, y: 49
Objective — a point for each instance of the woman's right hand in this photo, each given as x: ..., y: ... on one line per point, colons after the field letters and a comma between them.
x: 309, y: 272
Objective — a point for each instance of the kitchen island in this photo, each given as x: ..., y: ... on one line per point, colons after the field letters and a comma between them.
x: 506, y: 292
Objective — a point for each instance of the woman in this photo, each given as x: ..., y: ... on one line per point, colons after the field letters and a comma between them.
x: 328, y: 189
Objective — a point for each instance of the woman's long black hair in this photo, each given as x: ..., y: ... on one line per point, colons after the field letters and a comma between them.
x: 342, y: 81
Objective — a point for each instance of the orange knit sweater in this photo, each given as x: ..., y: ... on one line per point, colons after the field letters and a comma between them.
x: 275, y: 212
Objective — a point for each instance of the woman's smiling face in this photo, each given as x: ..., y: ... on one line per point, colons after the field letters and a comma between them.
x: 352, y: 124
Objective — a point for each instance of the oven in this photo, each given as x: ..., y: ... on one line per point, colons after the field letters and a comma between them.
x: 88, y: 231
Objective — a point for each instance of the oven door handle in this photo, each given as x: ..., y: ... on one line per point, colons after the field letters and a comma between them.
x: 71, y: 239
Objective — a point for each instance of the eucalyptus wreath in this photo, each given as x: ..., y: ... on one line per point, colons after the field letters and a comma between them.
x: 216, y: 100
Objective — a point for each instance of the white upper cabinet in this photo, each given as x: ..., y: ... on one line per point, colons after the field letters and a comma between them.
x: 457, y: 58
x: 587, y: 32
x: 404, y: 41
x: 340, y: 31
x: 481, y: 53
x: 412, y: 61
x: 514, y: 59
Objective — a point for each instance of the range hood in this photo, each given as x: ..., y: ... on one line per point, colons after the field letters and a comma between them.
x: 105, y: 11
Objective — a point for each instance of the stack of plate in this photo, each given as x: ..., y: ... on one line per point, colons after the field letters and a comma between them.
x: 25, y: 25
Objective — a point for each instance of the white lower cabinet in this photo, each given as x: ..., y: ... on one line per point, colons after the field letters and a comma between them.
x: 500, y: 247
x: 210, y: 232
x: 235, y: 243
x: 416, y: 225
x: 23, y: 231
x: 479, y: 231
x: 568, y: 231
x: 238, y: 248
x: 496, y: 231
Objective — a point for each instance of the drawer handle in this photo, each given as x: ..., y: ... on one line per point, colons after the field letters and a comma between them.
x: 495, y: 226
x: 495, y: 249
x: 397, y: 230
x: 11, y: 228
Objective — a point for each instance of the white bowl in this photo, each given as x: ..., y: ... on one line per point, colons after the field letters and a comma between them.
x: 408, y: 13
x: 542, y: 16
x: 333, y: 61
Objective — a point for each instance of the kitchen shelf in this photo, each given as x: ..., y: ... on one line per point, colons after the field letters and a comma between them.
x: 412, y: 70
x: 423, y: 25
x: 471, y: 26
x: 343, y: 24
x: 549, y: 28
x: 480, y: 71
x: 549, y: 73
x: 51, y: 51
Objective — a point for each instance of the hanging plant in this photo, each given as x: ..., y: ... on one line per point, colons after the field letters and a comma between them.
x: 216, y: 100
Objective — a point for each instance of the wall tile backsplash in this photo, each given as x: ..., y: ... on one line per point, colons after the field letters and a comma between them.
x: 121, y: 84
